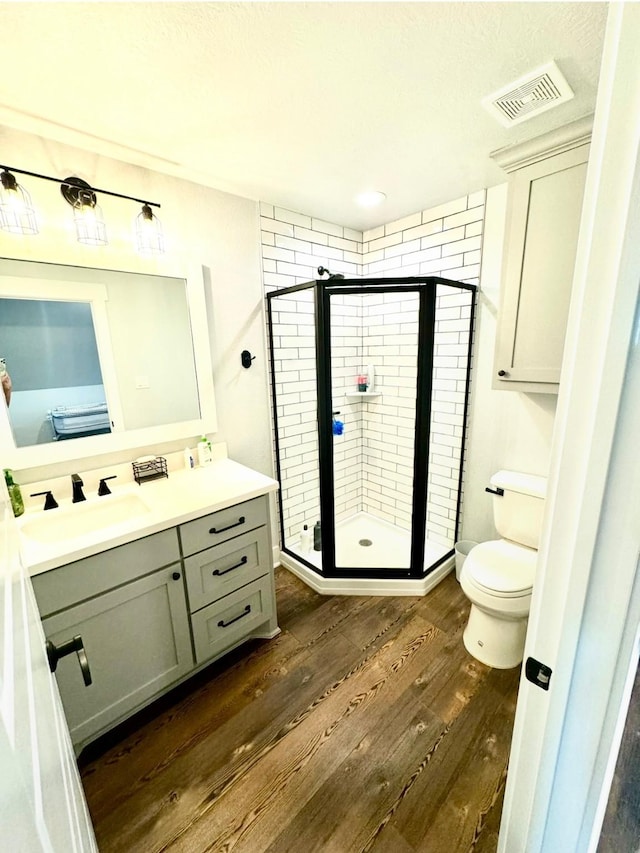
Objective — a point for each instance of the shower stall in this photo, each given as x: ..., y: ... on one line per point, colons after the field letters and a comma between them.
x: 370, y: 387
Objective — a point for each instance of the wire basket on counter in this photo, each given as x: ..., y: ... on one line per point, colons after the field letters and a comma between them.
x: 149, y: 468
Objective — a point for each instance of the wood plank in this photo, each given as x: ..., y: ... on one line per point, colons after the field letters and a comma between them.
x: 364, y: 726
x: 176, y: 789
x: 251, y: 813
x: 458, y: 779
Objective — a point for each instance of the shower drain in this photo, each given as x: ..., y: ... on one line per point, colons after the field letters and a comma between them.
x: 365, y: 542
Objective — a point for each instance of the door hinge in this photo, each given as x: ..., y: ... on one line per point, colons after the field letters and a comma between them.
x: 538, y: 673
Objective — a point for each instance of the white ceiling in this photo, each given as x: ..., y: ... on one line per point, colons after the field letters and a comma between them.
x: 300, y: 104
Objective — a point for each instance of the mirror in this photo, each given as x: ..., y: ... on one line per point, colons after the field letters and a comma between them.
x: 100, y: 360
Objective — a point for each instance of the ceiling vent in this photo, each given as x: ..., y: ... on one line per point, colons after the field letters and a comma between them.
x: 536, y: 92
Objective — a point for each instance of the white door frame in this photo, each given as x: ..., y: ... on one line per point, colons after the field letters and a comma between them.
x: 586, y: 602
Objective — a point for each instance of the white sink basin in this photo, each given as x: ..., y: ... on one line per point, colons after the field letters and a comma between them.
x: 58, y: 525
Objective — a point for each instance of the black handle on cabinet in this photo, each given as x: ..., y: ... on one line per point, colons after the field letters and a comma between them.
x: 503, y: 373
x: 176, y: 576
x: 498, y: 491
x: 240, y: 521
x: 54, y: 653
x: 242, y: 562
x: 245, y: 612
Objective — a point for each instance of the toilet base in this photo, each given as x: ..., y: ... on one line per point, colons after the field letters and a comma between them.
x: 494, y: 641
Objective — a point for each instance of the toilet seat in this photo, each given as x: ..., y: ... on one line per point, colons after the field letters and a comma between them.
x: 501, y: 568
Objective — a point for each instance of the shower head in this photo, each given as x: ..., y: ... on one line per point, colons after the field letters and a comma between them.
x: 323, y: 270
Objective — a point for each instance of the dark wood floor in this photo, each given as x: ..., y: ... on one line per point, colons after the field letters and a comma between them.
x: 365, y: 726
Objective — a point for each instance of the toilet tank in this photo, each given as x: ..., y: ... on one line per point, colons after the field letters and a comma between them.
x: 517, y: 514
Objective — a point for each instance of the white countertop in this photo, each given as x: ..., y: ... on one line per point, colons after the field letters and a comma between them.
x: 183, y: 496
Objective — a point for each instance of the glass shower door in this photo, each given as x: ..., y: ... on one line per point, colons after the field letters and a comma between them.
x: 293, y: 352
x: 374, y: 374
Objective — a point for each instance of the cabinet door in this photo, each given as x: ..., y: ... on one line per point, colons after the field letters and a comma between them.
x: 137, y: 643
x: 545, y: 202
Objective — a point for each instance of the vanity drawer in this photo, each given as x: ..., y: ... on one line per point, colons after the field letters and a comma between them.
x: 60, y: 588
x: 218, y: 571
x: 222, y: 525
x: 233, y: 617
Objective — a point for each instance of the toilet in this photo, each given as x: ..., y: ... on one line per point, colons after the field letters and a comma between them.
x: 497, y: 576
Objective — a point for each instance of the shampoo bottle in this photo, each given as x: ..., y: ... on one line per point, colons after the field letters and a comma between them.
x: 188, y: 458
x: 15, y: 495
x: 317, y: 537
x: 305, y: 540
x: 205, y: 456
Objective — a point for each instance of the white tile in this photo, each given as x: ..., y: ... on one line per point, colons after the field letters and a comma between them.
x: 476, y: 199
x: 341, y: 243
x: 469, y: 244
x: 286, y: 242
x: 276, y: 280
x: 463, y: 218
x: 275, y: 226
x: 442, y: 210
x: 402, y: 249
x: 278, y: 254
x: 292, y: 217
x: 384, y: 242
x: 401, y: 224
x: 312, y: 236
x: 327, y: 227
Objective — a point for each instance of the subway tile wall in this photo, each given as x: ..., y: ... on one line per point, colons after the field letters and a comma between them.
x: 374, y: 459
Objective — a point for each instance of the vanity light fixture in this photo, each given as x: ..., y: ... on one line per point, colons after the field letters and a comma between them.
x: 17, y: 214
x: 149, y: 237
x: 87, y: 213
x: 16, y: 211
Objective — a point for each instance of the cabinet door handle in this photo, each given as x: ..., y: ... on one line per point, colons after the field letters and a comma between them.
x: 245, y: 612
x: 503, y: 373
x: 54, y: 653
x: 176, y: 576
x: 240, y: 521
x: 242, y: 562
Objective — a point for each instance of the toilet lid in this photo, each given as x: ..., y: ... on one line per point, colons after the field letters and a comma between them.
x: 502, y: 567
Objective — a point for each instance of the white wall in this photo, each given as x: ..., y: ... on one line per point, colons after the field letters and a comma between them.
x: 507, y: 429
x: 201, y: 226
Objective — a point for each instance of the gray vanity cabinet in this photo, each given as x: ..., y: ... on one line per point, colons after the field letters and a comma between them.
x: 153, y: 611
x: 135, y: 632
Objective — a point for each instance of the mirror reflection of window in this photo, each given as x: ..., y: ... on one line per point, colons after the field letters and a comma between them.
x: 52, y: 357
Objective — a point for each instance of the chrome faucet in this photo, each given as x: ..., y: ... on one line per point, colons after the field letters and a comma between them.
x: 78, y: 494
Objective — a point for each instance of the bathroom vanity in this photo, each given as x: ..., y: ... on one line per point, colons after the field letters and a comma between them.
x: 156, y: 596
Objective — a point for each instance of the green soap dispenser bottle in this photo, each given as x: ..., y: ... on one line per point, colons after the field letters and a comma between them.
x: 15, y: 495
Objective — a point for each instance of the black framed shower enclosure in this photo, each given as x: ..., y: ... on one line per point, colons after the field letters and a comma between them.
x: 370, y: 388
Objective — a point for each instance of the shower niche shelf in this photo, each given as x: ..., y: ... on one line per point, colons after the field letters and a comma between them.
x: 365, y: 394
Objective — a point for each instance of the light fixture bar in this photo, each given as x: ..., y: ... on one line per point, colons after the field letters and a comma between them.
x: 65, y: 181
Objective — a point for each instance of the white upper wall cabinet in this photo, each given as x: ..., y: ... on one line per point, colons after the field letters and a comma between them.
x: 546, y: 186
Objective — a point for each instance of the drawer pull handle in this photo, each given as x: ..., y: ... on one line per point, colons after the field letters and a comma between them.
x: 54, y: 653
x: 245, y: 612
x: 242, y: 562
x: 240, y: 521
